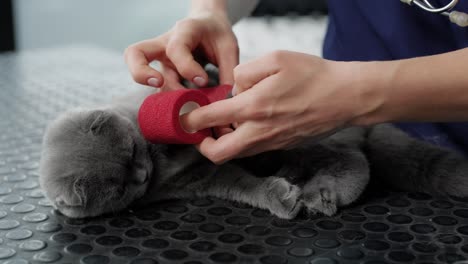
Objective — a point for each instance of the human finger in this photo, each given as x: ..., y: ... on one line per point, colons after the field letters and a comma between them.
x: 226, y: 147
x: 223, y: 130
x: 179, y: 51
x: 228, y: 59
x: 248, y: 74
x: 172, y: 79
x: 224, y: 112
x: 139, y: 68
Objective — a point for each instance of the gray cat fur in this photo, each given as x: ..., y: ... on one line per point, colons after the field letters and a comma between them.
x: 95, y: 161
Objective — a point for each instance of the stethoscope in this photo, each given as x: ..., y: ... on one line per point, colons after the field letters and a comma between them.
x: 456, y: 17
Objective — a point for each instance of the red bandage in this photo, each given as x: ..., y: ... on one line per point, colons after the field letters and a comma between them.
x: 159, y: 114
x: 217, y: 93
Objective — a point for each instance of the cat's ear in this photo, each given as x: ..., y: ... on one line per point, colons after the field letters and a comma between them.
x: 98, y: 120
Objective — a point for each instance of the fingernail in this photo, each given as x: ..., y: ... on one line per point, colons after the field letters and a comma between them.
x: 199, y: 81
x: 234, y: 90
x: 154, y: 82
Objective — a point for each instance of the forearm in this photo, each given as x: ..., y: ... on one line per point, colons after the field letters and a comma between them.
x: 432, y: 88
x: 233, y: 9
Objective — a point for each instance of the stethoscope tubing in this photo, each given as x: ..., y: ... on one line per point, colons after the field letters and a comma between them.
x: 427, y: 6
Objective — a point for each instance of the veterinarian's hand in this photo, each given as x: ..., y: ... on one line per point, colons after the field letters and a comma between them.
x: 282, y: 99
x: 205, y: 33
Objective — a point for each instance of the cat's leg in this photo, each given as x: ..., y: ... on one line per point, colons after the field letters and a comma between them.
x: 273, y: 193
x: 342, y: 177
x: 409, y: 164
x: 232, y: 183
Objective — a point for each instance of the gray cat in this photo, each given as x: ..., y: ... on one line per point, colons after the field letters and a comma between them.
x: 95, y: 161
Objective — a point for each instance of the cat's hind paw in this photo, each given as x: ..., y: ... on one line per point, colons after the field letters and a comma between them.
x: 322, y: 201
x: 283, y: 198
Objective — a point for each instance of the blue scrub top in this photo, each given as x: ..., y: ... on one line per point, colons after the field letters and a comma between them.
x: 364, y: 30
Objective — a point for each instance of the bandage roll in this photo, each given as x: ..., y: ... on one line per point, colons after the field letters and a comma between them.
x: 159, y: 117
x: 217, y: 93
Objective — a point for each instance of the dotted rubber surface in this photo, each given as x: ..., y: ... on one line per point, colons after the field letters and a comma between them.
x: 384, y: 227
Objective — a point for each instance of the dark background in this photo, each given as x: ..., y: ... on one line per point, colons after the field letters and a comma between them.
x: 7, y: 40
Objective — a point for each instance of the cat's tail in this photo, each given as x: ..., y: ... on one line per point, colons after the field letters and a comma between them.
x: 408, y: 164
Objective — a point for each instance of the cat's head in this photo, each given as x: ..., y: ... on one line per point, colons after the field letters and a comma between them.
x: 93, y: 162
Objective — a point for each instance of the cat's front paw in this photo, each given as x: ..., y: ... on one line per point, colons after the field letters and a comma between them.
x: 283, y: 198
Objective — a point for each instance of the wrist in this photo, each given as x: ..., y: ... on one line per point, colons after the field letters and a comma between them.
x: 212, y: 7
x: 371, y: 82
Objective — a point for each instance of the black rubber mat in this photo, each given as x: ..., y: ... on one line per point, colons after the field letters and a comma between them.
x: 385, y: 227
